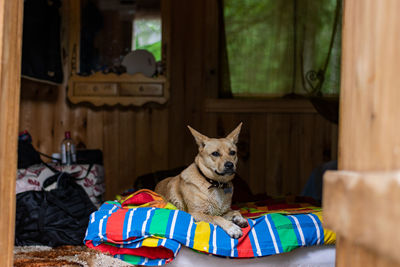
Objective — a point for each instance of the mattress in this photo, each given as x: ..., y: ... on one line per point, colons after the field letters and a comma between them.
x: 321, y: 256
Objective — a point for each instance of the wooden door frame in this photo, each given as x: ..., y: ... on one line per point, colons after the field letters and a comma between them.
x: 360, y: 200
x: 11, y: 15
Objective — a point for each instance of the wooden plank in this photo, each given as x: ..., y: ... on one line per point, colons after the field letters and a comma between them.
x: 10, y: 55
x: 258, y: 141
x: 127, y: 144
x: 177, y: 124
x: 360, y: 206
x: 79, y: 126
x: 37, y: 109
x: 143, y: 145
x: 275, y: 105
x: 111, y: 153
x: 334, y: 141
x: 369, y: 112
x: 277, y: 150
x: 211, y: 47
x: 310, y: 142
x: 369, y: 108
x: 43, y: 138
x: 194, y: 71
x: 359, y: 256
x: 94, y: 129
x: 62, y: 114
x: 159, y: 139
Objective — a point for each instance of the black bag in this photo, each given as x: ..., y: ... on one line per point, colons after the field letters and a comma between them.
x: 89, y: 156
x: 27, y: 154
x: 53, y: 218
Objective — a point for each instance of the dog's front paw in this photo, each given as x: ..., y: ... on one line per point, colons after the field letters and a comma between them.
x: 239, y: 220
x: 234, y: 231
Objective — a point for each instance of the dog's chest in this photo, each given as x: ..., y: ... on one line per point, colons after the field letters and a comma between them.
x: 219, y: 201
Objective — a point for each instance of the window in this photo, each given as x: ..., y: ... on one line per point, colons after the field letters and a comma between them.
x: 276, y: 48
x: 147, y: 35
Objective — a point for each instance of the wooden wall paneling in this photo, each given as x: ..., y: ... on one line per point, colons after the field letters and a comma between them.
x: 128, y: 145
x: 10, y: 69
x: 37, y: 113
x: 194, y: 71
x: 244, y: 146
x: 62, y: 113
x: 295, y: 159
x: 28, y: 115
x: 309, y: 142
x: 112, y: 162
x: 79, y: 126
x: 210, y: 124
x: 211, y: 48
x: 94, y: 131
x: 42, y: 139
x: 159, y: 139
x: 177, y: 123
x: 143, y: 146
x: 329, y: 139
x: 258, y: 143
x: 25, y: 118
x: 334, y: 132
x: 277, y: 150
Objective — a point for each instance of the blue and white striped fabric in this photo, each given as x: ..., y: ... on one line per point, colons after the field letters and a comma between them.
x: 153, y: 227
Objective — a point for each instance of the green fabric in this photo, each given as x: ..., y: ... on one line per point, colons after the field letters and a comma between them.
x: 132, y: 259
x: 286, y: 234
x: 159, y: 221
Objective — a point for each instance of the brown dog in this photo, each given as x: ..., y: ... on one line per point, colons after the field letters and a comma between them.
x: 204, y: 189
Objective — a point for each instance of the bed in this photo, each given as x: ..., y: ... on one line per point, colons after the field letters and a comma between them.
x: 144, y: 229
x: 321, y: 256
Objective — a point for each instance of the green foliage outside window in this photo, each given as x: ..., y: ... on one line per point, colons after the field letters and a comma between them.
x: 273, y: 44
x: 148, y: 36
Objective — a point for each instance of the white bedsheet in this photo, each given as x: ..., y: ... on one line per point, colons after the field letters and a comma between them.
x: 318, y: 256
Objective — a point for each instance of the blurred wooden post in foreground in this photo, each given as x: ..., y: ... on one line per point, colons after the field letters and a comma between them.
x: 362, y: 199
x: 11, y: 13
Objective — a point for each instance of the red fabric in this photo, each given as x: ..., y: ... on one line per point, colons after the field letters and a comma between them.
x: 114, y: 225
x: 244, y: 245
x: 283, y: 206
x: 148, y: 252
x: 139, y: 199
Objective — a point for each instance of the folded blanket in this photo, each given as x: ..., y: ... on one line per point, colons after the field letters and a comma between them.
x: 153, y: 236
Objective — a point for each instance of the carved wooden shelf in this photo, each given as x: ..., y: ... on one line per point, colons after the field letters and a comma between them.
x: 112, y: 89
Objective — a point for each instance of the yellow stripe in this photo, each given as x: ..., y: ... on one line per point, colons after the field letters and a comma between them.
x: 329, y: 235
x: 150, y: 242
x: 202, y: 236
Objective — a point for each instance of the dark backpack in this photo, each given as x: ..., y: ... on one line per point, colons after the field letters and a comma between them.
x: 53, y: 218
x: 27, y: 154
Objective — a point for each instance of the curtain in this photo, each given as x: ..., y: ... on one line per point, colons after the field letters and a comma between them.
x: 280, y: 47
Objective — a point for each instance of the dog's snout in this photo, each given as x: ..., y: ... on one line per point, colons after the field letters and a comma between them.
x: 228, y: 165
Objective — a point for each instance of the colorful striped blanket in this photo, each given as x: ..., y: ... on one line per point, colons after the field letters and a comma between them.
x: 153, y: 236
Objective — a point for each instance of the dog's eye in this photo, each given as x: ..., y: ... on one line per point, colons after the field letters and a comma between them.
x: 216, y: 154
x: 232, y: 153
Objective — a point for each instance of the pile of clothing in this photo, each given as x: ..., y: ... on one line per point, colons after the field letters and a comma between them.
x: 143, y: 228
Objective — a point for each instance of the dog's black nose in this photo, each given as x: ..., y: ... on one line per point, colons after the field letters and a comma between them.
x: 228, y: 165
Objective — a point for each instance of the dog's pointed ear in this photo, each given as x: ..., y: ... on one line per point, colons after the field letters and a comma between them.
x: 200, y: 138
x: 234, y: 135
